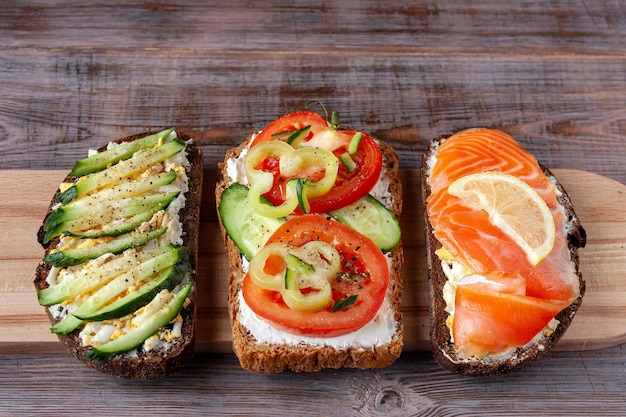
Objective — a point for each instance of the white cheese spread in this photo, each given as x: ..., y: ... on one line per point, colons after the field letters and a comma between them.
x: 379, y: 331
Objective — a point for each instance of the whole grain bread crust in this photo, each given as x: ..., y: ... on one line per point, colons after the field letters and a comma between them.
x: 155, y: 364
x: 442, y: 347
x: 272, y: 358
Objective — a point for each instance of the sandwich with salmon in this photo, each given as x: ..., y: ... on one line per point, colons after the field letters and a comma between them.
x: 121, y: 243
x: 309, y: 215
x: 502, y: 250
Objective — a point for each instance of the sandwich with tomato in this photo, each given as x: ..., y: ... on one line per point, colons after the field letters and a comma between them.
x: 309, y: 214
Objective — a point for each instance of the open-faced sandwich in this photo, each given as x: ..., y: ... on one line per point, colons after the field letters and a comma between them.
x: 502, y: 249
x: 120, y: 240
x: 309, y: 213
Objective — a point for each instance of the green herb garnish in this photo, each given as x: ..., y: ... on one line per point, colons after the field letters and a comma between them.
x: 344, y: 303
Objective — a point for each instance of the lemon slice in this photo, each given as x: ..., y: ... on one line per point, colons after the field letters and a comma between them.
x: 513, y: 206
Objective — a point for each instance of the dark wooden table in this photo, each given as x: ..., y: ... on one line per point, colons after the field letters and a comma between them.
x: 553, y: 74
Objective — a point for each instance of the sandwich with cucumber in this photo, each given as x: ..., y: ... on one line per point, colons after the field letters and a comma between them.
x: 502, y: 242
x: 309, y: 214
x: 121, y: 242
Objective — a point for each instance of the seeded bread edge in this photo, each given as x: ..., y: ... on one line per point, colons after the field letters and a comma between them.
x: 156, y: 364
x: 443, y: 349
x: 273, y: 358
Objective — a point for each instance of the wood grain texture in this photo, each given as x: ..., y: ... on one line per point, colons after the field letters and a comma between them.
x: 559, y: 102
x: 75, y: 74
x: 401, y: 72
x: 448, y: 26
x: 600, y: 322
x: 563, y: 383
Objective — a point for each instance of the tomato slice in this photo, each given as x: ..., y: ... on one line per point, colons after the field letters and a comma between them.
x: 349, y: 186
x: 365, y: 273
x: 352, y: 186
x: 292, y: 121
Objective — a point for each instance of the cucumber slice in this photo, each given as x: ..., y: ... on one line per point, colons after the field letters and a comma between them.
x: 353, y: 146
x: 88, y: 216
x: 122, y: 151
x: 125, y: 226
x: 371, y: 218
x: 125, y: 190
x: 122, y: 170
x: 134, y: 188
x: 79, y: 255
x: 93, y: 278
x: 166, y: 279
x: 102, y: 200
x: 117, y: 286
x: 76, y: 220
x: 293, y: 137
x: 298, y: 136
x: 148, y: 328
x: 303, y: 201
x: 290, y: 279
x: 348, y: 162
x: 299, y: 265
x: 248, y: 230
x: 296, y: 266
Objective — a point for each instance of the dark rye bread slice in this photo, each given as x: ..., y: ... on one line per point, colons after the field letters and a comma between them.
x: 155, y: 364
x: 272, y: 358
x: 443, y: 349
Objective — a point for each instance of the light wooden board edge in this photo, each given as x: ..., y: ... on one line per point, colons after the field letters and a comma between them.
x: 600, y: 322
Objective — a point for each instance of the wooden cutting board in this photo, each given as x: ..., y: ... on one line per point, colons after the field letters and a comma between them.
x: 599, y: 202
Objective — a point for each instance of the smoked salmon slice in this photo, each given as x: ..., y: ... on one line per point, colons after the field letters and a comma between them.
x: 481, y: 150
x: 488, y: 320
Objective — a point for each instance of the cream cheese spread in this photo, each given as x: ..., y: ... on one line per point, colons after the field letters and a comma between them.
x: 379, y: 331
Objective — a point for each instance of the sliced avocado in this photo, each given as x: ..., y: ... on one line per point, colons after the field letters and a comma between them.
x: 113, y: 155
x: 148, y: 328
x: 166, y: 279
x: 94, y: 278
x: 117, y: 286
x: 122, y: 170
x: 79, y: 255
